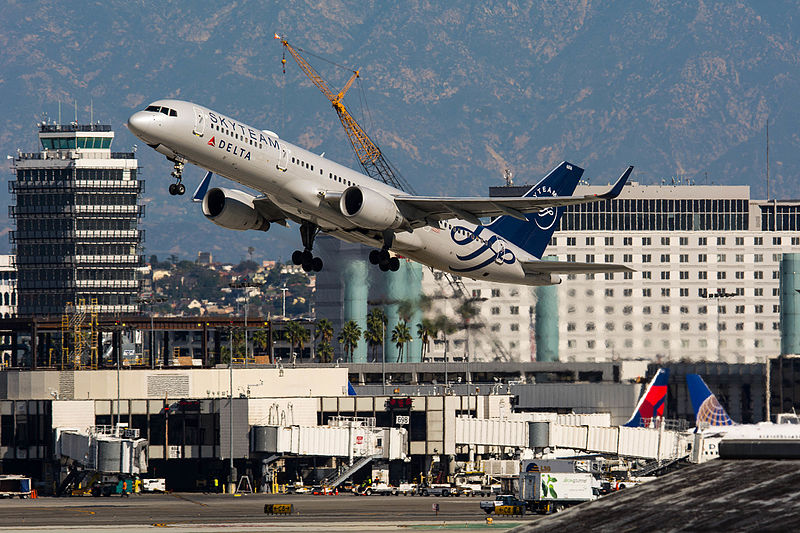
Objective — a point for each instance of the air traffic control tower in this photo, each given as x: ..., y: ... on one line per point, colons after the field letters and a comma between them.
x: 77, y: 237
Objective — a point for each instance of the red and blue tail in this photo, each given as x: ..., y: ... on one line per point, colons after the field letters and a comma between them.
x: 707, y: 409
x: 651, y: 404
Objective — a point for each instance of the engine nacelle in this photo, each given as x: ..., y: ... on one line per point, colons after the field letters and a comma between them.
x: 233, y: 209
x: 370, y: 209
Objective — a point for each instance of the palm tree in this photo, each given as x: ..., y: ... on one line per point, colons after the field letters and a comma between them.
x: 297, y: 335
x: 324, y: 331
x: 376, y: 328
x: 263, y: 338
x: 425, y: 331
x: 400, y: 336
x: 349, y: 337
x: 325, y: 352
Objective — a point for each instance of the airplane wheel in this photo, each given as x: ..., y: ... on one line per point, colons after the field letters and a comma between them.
x: 308, y: 257
x: 181, y: 189
x: 383, y: 255
x: 297, y: 257
x: 307, y: 266
x: 384, y: 266
x: 173, y: 189
x: 316, y: 263
x: 374, y: 257
x: 394, y: 264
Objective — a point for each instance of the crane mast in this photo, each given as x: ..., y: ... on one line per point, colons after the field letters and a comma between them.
x: 369, y: 155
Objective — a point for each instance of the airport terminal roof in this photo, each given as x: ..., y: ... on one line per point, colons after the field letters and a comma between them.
x: 733, y: 495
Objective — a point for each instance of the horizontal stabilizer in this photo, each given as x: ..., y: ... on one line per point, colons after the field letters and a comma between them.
x: 570, y: 267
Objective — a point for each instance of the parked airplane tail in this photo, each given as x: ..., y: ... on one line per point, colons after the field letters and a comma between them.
x: 651, y: 404
x: 707, y: 409
x: 534, y: 235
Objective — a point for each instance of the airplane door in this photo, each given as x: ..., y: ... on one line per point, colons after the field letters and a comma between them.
x: 283, y: 160
x: 199, y: 122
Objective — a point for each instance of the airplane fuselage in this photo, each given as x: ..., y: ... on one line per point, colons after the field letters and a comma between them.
x: 306, y: 187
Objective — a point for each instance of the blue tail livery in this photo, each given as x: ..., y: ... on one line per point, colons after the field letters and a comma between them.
x: 651, y: 404
x: 202, y: 189
x: 534, y: 235
x: 707, y: 409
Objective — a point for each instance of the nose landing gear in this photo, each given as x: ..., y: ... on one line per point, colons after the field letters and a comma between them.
x: 177, y: 189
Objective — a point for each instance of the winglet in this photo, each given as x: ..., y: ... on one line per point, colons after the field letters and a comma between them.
x: 202, y: 189
x: 617, y: 188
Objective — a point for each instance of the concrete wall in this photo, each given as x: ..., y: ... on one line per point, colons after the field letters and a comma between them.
x: 174, y: 384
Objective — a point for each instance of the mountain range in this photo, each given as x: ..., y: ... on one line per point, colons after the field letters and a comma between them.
x: 454, y: 93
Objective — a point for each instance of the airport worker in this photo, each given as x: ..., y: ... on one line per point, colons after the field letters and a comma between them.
x: 124, y: 489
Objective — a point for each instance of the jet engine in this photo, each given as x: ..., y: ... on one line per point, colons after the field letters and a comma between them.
x: 370, y: 209
x: 233, y: 209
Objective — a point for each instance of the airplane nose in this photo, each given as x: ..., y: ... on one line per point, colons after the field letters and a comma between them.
x: 139, y: 123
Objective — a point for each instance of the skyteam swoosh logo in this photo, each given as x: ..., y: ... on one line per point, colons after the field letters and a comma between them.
x: 491, y: 250
x: 546, y: 217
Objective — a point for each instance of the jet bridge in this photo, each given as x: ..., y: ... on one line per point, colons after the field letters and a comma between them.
x: 105, y: 449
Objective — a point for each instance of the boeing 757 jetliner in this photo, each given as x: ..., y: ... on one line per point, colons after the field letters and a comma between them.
x: 322, y: 196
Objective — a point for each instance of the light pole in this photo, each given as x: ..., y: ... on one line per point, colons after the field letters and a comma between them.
x: 244, y: 285
x: 283, y: 308
x: 149, y: 301
x: 716, y: 296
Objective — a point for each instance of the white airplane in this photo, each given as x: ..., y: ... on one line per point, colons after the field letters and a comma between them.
x: 323, y: 196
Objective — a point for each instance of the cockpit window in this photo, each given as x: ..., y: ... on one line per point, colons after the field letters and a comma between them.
x: 158, y: 109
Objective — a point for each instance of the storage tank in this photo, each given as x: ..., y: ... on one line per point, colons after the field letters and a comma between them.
x: 790, y: 304
x: 546, y: 320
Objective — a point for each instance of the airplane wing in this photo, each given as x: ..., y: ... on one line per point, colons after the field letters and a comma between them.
x: 471, y: 209
x: 569, y: 267
x: 271, y: 212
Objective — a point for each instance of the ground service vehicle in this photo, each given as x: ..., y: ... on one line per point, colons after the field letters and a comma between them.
x: 383, y: 489
x: 550, y: 492
x: 503, y: 500
x: 435, y: 490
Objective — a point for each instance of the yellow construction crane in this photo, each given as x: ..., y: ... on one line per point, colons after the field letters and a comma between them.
x: 367, y: 152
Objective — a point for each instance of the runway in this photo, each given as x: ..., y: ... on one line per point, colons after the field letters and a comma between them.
x: 245, y: 513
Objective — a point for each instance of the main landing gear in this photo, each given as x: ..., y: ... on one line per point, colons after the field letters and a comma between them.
x: 384, y: 261
x: 305, y: 257
x: 177, y: 189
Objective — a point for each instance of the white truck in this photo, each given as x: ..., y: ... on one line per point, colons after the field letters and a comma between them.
x: 551, y: 492
x: 381, y: 488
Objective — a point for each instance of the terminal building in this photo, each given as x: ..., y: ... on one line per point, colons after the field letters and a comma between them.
x: 77, y: 239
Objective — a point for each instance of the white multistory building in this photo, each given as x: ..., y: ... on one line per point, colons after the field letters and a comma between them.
x: 8, y: 287
x: 705, y: 285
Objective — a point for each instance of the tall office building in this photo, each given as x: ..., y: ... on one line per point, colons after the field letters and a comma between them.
x: 8, y: 287
x: 705, y: 284
x: 77, y: 235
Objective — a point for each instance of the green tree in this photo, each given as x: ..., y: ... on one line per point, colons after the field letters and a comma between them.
x: 376, y: 328
x: 262, y: 338
x: 426, y: 330
x: 323, y: 331
x: 349, y: 337
x: 401, y: 335
x: 325, y: 352
x: 297, y: 335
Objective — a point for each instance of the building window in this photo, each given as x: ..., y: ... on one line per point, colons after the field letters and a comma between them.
x: 758, y: 274
x: 702, y: 310
x: 665, y: 274
x: 645, y: 258
x: 684, y: 292
x: 684, y: 326
x: 664, y: 291
x: 646, y: 241
x: 740, y: 326
x: 627, y: 292
x: 720, y: 258
x: 609, y: 292
x: 627, y: 275
x: 684, y: 258
x: 647, y: 274
x: 570, y: 241
x: 720, y: 241
x: 758, y: 258
x: 609, y: 258
x: 776, y: 241
x: 721, y: 274
x: 702, y: 241
x: 628, y: 309
x: 739, y: 241
x: 647, y: 293
x: 665, y: 241
x: 758, y: 292
x: 664, y: 309
x: 514, y: 310
x: 684, y: 274
x: 759, y: 326
x: 590, y: 258
x: 571, y: 326
x: 646, y: 310
x: 739, y: 275
x: 627, y: 258
x: 495, y: 310
x: 495, y: 293
x: 665, y: 258
x: 590, y: 326
x: 702, y: 275
x: 702, y: 326
x: 514, y: 327
x: 476, y: 293
x: 627, y: 241
x: 758, y: 241
x: 609, y: 241
x: 702, y: 258
x: 684, y: 241
x: 589, y: 241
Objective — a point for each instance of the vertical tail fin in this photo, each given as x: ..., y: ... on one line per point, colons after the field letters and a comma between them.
x: 651, y: 404
x: 534, y: 235
x: 707, y: 409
